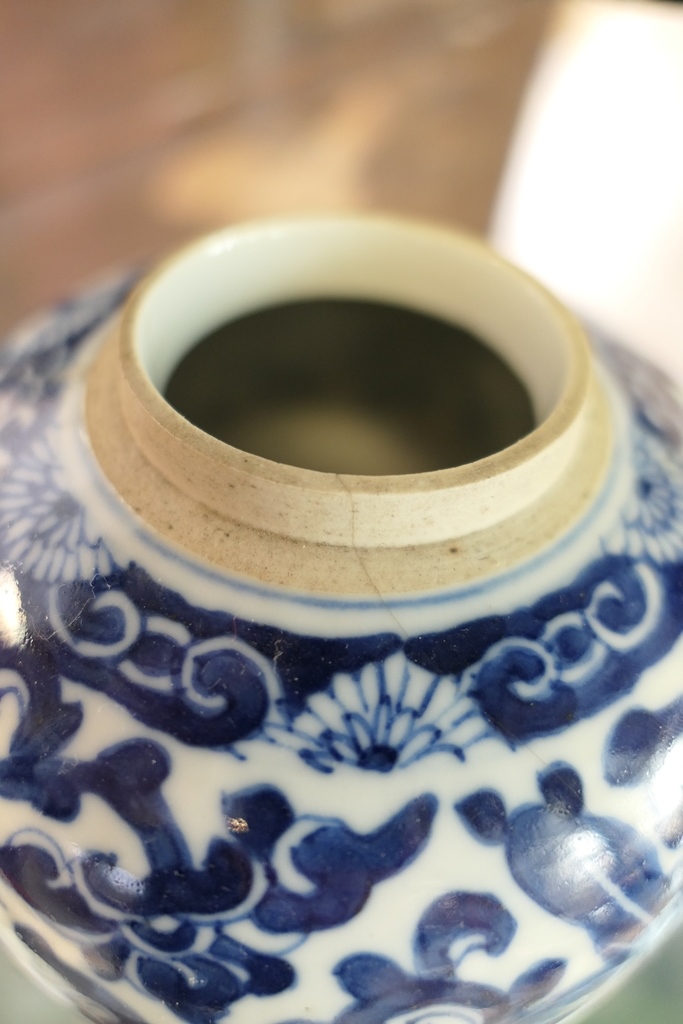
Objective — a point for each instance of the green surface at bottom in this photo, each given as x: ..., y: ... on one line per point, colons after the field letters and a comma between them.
x: 654, y: 995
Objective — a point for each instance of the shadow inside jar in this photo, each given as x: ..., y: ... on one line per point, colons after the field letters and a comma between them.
x: 349, y: 386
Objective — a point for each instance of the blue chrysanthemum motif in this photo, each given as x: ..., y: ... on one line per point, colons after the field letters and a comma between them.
x: 131, y: 677
x: 655, y: 397
x: 34, y: 360
x: 44, y: 527
x: 387, y: 715
x: 653, y: 520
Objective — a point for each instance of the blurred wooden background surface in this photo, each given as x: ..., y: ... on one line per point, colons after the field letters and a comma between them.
x: 129, y: 126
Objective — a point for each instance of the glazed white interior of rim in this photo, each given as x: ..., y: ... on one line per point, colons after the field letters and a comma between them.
x: 238, y: 272
x: 430, y: 270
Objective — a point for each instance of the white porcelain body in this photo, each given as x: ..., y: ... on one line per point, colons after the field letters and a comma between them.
x: 223, y: 797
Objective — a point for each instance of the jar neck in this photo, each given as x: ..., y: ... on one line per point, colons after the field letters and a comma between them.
x: 426, y: 269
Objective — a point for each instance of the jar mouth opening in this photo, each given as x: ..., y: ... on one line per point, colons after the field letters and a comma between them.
x: 430, y: 270
x: 351, y: 386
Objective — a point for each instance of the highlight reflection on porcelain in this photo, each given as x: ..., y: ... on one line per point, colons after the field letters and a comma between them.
x: 205, y: 816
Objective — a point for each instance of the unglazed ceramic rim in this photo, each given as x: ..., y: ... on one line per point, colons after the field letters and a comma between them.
x: 337, y: 257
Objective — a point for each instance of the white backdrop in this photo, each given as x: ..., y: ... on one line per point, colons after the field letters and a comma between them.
x: 591, y: 201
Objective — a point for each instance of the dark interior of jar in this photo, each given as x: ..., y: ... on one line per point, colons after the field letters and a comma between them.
x: 351, y: 387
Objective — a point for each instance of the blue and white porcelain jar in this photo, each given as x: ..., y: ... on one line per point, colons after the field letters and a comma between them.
x: 280, y: 745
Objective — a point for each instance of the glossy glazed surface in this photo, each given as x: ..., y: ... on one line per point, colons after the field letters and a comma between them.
x: 222, y: 797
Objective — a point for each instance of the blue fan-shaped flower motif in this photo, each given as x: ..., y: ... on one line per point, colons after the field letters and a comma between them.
x: 43, y: 527
x: 387, y: 715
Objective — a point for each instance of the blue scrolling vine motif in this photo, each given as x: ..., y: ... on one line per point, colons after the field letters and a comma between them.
x: 575, y: 651
x: 456, y: 921
x: 214, y: 680
x: 645, y: 749
x: 169, y: 932
x: 379, y: 703
x: 211, y: 679
x: 548, y: 847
